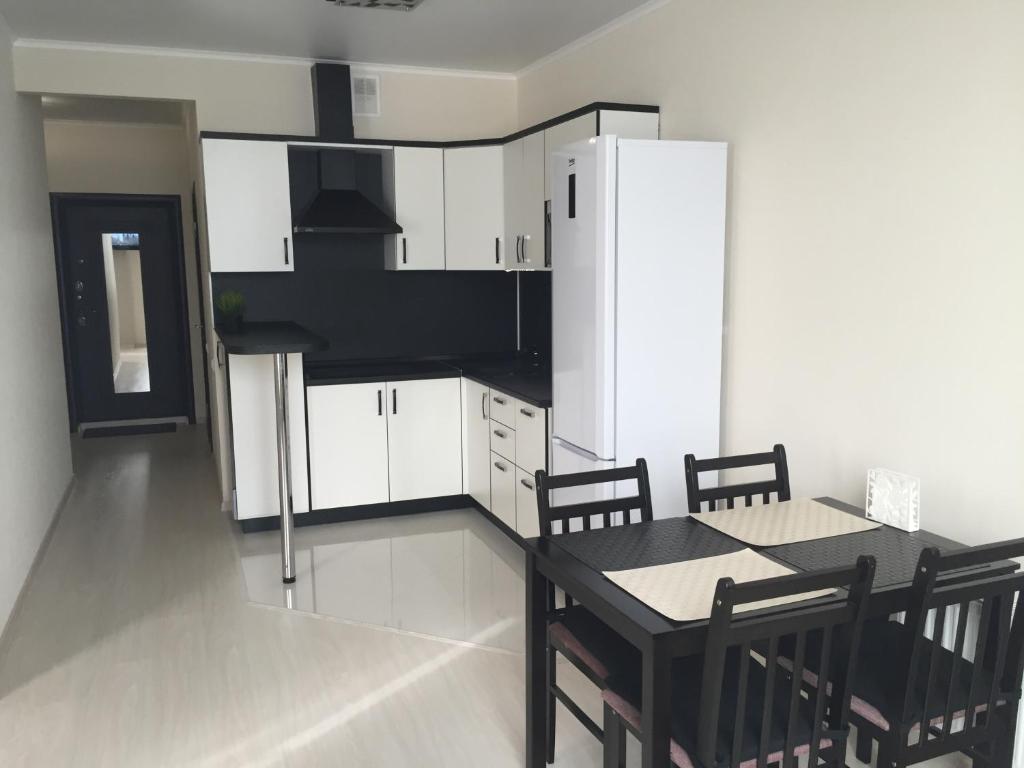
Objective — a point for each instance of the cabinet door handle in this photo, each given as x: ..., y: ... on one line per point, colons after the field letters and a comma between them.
x: 528, y: 414
x: 499, y: 400
x: 286, y: 256
x: 500, y: 434
x: 499, y: 466
x: 526, y: 484
x: 380, y: 402
x: 519, y: 242
x: 526, y: 239
x: 483, y: 404
x: 497, y: 252
x: 405, y: 252
x: 394, y: 401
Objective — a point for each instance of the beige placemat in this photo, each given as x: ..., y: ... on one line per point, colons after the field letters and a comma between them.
x: 785, y: 522
x: 684, y: 591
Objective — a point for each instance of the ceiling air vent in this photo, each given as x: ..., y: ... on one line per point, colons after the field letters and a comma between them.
x: 389, y: 5
x: 366, y: 95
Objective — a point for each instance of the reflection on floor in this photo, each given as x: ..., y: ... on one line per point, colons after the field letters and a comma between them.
x: 132, y: 373
x: 448, y: 575
x: 141, y: 643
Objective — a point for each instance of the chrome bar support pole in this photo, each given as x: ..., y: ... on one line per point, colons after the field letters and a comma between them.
x: 284, y: 470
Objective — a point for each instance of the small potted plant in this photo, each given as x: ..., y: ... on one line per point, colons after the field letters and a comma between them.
x: 231, y: 311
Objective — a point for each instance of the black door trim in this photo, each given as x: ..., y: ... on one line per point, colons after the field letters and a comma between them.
x: 57, y: 201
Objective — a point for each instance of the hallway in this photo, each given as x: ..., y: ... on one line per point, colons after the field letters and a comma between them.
x: 135, y: 646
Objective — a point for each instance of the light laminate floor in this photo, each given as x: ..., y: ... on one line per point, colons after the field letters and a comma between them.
x: 154, y: 634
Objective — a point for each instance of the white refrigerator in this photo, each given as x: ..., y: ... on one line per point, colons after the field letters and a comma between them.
x: 638, y: 261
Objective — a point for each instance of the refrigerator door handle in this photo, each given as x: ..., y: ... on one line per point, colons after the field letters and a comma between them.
x: 589, y: 455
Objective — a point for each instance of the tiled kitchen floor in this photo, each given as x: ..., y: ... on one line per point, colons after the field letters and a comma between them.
x: 154, y: 634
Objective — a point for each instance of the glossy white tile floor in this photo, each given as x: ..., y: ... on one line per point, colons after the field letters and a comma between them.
x: 153, y: 634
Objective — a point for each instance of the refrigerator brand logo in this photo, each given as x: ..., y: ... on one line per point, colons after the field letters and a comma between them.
x: 572, y: 162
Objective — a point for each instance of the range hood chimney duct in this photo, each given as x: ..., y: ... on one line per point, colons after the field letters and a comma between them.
x: 332, y: 102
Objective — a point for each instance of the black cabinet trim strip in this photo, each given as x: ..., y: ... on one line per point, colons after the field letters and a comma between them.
x: 597, y: 106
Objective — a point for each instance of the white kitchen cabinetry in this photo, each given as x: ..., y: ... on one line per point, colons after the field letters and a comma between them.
x: 371, y: 443
x: 524, y: 202
x: 248, y: 210
x: 476, y: 441
x: 424, y: 438
x: 419, y: 209
x: 348, y: 445
x: 503, y: 490
x: 628, y: 125
x: 510, y: 449
x: 474, y: 208
x: 254, y: 435
x: 527, y: 520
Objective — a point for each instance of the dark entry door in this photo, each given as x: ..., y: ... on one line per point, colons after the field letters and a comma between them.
x: 121, y: 273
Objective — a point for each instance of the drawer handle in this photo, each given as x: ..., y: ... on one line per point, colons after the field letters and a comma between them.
x: 500, y: 434
x: 483, y: 404
x: 499, y: 400
x: 499, y: 465
x: 526, y: 484
x: 380, y: 402
x: 526, y: 412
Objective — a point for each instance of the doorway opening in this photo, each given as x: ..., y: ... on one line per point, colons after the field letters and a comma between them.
x: 124, y: 309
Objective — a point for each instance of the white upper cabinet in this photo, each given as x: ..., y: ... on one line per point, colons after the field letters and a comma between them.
x: 629, y: 125
x: 474, y: 208
x: 556, y: 136
x: 248, y: 210
x: 424, y: 438
x: 524, y: 202
x: 419, y: 208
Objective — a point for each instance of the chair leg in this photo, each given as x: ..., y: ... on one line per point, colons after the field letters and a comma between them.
x: 614, y: 739
x: 863, y: 746
x: 551, y: 706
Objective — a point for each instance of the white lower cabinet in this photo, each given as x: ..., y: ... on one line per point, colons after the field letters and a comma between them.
x: 505, y: 443
x: 424, y: 438
x: 348, y: 445
x: 476, y: 440
x: 254, y: 435
x: 503, y: 490
x: 386, y: 441
x: 527, y: 521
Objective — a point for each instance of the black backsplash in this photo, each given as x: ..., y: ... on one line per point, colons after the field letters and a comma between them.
x: 535, y: 322
x: 340, y: 290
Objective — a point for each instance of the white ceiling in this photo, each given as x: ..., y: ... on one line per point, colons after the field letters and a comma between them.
x: 486, y: 35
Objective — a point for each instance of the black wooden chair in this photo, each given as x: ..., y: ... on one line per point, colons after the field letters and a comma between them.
x: 729, y: 710
x: 589, y: 644
x: 922, y: 688
x: 779, y: 485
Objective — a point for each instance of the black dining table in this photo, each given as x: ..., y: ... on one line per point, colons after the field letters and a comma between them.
x: 575, y: 562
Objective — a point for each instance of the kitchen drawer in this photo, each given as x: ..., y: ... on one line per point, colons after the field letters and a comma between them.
x: 531, y: 437
x: 527, y: 522
x: 503, y: 490
x: 503, y: 441
x: 503, y: 408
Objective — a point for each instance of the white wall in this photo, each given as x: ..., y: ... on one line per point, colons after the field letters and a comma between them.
x: 35, y: 461
x: 876, y: 251
x: 135, y: 159
x: 252, y: 95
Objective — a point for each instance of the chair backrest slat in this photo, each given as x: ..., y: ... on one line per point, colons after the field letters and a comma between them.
x: 603, y: 509
x: 989, y: 667
x: 740, y: 632
x: 821, y: 695
x: 779, y: 484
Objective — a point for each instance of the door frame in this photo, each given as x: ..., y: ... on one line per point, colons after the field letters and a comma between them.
x: 57, y: 202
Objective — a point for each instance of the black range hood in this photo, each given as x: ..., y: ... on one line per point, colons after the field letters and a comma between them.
x: 348, y: 195
x: 345, y: 212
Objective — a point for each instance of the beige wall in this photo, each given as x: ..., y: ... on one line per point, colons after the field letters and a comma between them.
x: 133, y: 159
x: 272, y: 96
x: 876, y: 251
x: 35, y: 461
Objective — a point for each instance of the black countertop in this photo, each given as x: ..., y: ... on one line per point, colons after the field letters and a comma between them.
x: 528, y: 382
x: 270, y: 338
